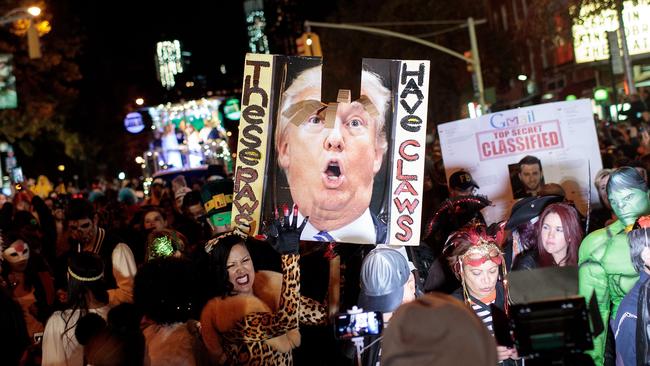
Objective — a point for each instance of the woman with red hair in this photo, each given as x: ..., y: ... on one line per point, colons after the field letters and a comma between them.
x: 559, y: 233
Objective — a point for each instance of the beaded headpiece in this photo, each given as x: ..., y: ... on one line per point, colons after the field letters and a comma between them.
x: 483, y: 248
x: 84, y: 279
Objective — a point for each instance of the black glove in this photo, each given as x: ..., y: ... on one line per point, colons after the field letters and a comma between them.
x: 283, y: 236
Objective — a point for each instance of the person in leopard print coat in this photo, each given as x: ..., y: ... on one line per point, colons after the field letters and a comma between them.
x: 255, y: 317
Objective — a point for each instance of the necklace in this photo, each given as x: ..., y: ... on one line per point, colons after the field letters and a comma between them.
x: 14, y: 280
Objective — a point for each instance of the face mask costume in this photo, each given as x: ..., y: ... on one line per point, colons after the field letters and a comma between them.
x: 604, y: 255
x: 17, y: 252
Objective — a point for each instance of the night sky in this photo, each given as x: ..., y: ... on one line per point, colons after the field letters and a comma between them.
x: 117, y: 64
x: 120, y: 40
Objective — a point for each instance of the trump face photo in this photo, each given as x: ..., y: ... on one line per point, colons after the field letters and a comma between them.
x: 331, y: 157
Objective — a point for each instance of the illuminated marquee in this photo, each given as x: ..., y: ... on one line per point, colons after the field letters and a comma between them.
x: 590, y: 39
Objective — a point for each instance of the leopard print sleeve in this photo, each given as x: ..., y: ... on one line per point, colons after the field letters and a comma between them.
x: 257, y: 327
x: 312, y: 312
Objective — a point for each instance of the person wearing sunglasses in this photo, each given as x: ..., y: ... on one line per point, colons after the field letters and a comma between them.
x: 478, y: 262
x: 86, y: 236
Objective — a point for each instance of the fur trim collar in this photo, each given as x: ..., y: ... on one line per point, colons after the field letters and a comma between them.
x: 265, y: 299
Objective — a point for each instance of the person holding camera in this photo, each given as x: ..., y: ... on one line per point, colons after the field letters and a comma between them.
x: 480, y: 265
x: 386, y: 283
x: 254, y: 317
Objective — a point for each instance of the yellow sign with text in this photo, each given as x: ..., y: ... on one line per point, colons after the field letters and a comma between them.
x: 253, y: 137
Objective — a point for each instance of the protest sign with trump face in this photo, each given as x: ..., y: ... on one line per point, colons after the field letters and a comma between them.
x: 334, y: 158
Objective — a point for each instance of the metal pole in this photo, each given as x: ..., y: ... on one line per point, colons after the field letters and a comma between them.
x: 413, y: 23
x: 384, y: 32
x: 626, y: 54
x: 451, y: 29
x: 477, y: 64
x: 475, y: 60
x: 15, y: 15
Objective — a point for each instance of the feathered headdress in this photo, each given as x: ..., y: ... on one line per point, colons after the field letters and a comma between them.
x: 483, y: 247
x: 452, y: 206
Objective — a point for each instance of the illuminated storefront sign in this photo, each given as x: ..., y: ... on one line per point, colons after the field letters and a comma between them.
x: 590, y: 39
x: 133, y: 122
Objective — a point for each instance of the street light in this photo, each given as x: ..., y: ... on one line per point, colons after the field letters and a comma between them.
x: 34, y: 11
x: 139, y: 101
x: 33, y: 44
x: 20, y: 13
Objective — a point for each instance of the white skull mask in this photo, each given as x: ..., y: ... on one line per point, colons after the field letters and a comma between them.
x: 16, y: 252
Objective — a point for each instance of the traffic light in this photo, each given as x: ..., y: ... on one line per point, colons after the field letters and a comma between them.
x: 601, y: 94
x: 309, y: 45
x: 470, y: 66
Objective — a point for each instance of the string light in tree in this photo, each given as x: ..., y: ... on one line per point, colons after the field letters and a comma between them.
x: 169, y: 62
x: 256, y: 22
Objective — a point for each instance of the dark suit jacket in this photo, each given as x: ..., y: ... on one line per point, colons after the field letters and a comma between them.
x: 381, y: 229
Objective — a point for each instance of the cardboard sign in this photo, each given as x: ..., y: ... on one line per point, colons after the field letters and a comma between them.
x: 558, y: 137
x: 353, y: 165
x: 408, y: 152
x: 252, y: 145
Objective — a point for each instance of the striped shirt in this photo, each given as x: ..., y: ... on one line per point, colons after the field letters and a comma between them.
x: 483, y: 312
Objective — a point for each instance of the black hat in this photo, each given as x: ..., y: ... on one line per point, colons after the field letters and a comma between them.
x: 461, y: 180
x: 528, y: 208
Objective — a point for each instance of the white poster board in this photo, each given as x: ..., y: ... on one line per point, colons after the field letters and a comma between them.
x: 561, y: 135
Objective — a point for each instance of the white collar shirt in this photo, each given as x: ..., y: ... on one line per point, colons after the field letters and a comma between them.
x: 361, y: 230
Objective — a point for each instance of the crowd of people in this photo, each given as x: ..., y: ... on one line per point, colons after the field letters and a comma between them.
x: 106, y: 277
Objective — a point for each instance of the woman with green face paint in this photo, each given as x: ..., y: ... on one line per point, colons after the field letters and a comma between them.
x: 604, y: 256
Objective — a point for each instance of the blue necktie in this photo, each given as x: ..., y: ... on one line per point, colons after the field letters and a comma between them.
x: 324, y: 236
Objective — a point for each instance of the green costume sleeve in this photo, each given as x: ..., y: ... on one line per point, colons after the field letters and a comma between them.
x: 593, y: 277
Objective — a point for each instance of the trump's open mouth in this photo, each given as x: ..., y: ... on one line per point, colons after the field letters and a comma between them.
x: 333, y: 169
x: 333, y: 174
